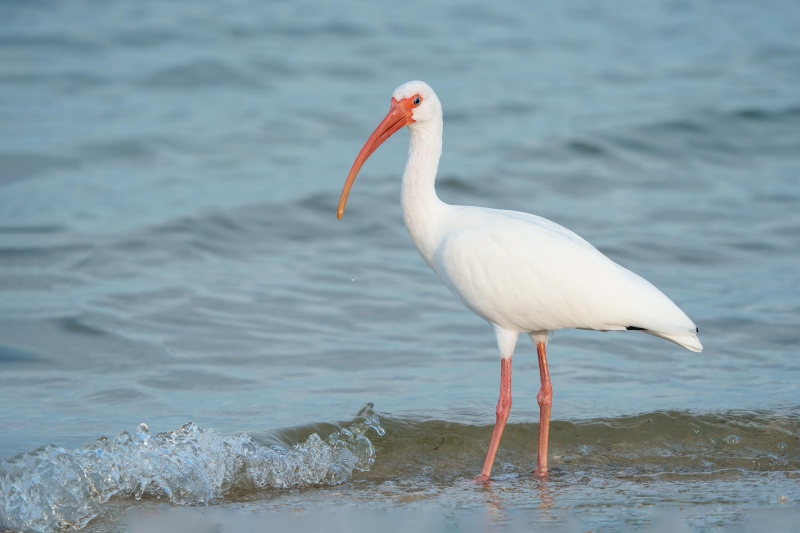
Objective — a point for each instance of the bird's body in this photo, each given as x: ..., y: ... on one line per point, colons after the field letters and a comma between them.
x: 523, y: 273
x: 519, y: 272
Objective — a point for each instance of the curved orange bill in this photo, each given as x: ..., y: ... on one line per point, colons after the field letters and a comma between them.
x: 399, y: 115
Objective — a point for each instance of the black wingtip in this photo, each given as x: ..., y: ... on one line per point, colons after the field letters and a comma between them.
x: 696, y: 329
x: 635, y: 328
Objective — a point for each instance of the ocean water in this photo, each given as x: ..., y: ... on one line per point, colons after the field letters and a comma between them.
x: 189, y: 336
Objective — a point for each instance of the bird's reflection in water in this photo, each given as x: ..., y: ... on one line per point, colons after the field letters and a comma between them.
x: 496, y: 515
x: 502, y: 508
x: 546, y: 496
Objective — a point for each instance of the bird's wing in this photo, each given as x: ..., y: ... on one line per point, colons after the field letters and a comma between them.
x: 526, y: 273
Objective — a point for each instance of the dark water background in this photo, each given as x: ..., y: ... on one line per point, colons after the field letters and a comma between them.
x: 169, y: 173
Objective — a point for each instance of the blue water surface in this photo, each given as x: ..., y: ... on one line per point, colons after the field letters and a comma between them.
x: 169, y: 174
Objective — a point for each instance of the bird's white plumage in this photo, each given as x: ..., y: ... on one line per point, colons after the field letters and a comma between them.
x: 520, y: 272
x: 524, y: 273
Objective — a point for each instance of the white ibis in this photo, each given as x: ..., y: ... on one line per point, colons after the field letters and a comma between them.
x: 519, y: 272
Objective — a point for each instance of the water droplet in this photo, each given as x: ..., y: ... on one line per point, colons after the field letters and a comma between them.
x: 353, y: 278
x: 732, y: 439
x: 140, y: 490
x: 124, y: 438
x: 782, y: 446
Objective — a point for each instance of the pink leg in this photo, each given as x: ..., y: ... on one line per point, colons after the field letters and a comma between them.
x: 503, y: 408
x: 545, y: 399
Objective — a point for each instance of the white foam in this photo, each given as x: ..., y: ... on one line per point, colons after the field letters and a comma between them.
x: 52, y: 487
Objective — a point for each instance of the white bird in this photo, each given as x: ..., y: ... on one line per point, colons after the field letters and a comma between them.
x: 519, y: 272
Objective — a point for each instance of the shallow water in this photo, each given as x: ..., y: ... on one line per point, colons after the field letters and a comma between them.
x: 609, y: 473
x: 169, y: 251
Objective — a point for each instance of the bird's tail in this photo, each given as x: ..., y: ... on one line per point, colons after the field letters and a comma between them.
x: 688, y: 341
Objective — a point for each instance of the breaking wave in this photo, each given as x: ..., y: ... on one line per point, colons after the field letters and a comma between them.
x: 55, y: 488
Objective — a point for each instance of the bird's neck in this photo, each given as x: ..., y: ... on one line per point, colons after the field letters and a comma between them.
x: 422, y: 209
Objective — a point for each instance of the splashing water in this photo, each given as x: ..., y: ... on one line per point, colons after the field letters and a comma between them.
x: 54, y: 488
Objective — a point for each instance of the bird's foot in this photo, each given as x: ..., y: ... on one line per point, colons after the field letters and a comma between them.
x: 540, y: 474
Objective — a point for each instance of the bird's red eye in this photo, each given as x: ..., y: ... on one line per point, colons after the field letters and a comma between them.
x: 417, y: 100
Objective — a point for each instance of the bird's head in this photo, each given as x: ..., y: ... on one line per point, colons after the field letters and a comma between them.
x: 419, y: 98
x: 414, y: 104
